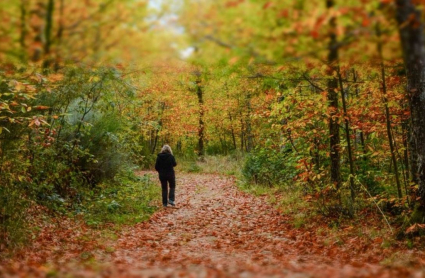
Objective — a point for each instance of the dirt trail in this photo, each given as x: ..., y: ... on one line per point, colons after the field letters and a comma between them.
x: 217, y: 231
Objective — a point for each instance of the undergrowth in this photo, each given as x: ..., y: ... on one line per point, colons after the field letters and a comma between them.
x: 218, y: 164
x: 129, y: 200
x: 289, y: 200
x: 367, y: 227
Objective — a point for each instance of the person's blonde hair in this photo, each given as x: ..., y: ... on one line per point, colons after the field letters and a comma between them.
x: 166, y: 149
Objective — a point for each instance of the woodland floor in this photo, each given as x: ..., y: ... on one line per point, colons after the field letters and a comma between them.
x: 216, y: 231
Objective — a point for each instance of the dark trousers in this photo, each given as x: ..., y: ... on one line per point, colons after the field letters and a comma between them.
x: 165, y: 181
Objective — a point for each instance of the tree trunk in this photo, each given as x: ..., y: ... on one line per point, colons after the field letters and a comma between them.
x: 48, y: 33
x: 24, y: 31
x: 387, y: 112
x: 249, y: 142
x: 405, y: 131
x: 242, y: 132
x: 232, y: 131
x: 359, y: 133
x: 156, y: 137
x: 413, y: 45
x: 201, y: 129
x: 37, y: 27
x: 59, y: 35
x: 347, y: 135
x: 333, y: 103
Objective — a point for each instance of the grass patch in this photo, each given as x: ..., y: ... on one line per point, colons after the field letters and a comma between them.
x: 255, y: 189
x: 299, y: 220
x: 127, y: 201
x: 218, y: 164
x: 285, y: 198
x: 399, y: 259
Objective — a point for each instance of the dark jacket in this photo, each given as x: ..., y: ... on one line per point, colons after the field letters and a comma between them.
x: 165, y: 163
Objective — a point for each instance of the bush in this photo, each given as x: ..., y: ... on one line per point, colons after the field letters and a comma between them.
x: 128, y: 199
x: 269, y: 166
x: 66, y: 140
x: 14, y: 205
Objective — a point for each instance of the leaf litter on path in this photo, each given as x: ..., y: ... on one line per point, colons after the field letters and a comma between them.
x: 216, y: 231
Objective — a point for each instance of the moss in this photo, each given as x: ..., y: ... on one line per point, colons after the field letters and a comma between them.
x: 417, y: 217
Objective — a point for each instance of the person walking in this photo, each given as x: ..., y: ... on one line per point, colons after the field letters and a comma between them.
x: 165, y: 163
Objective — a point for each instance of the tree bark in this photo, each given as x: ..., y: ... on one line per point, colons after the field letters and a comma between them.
x: 37, y: 27
x: 334, y: 139
x: 413, y: 44
x: 201, y: 128
x: 156, y: 137
x: 359, y: 133
x: 347, y: 135
x: 232, y: 131
x: 242, y: 132
x: 48, y: 32
x: 387, y: 112
x: 24, y: 31
x: 249, y: 142
x: 59, y: 35
x: 405, y: 131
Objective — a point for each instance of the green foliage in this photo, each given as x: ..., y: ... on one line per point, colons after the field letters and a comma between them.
x: 269, y: 166
x: 224, y: 148
x: 13, y: 211
x: 369, y: 175
x: 17, y: 120
x: 63, y: 136
x: 194, y: 168
x: 128, y: 199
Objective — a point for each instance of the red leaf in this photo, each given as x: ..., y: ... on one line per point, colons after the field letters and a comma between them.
x: 365, y: 22
x: 284, y: 13
x: 267, y: 5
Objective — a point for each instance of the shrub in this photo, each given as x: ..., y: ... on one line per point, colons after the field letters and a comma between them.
x: 63, y: 141
x: 269, y: 166
x: 127, y: 199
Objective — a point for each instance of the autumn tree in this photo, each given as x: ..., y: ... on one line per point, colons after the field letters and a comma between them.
x: 334, y: 137
x: 413, y: 44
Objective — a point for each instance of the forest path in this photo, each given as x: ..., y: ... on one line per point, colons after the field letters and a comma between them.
x: 219, y: 231
x: 216, y: 231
